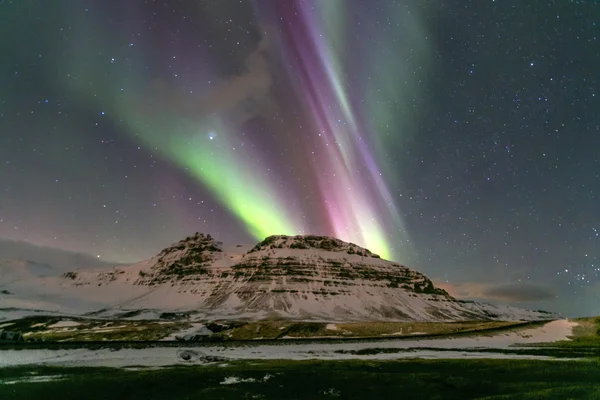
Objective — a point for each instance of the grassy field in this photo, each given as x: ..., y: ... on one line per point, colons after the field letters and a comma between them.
x: 296, y: 330
x: 49, y: 329
x: 431, y: 380
x: 281, y: 379
x: 42, y: 328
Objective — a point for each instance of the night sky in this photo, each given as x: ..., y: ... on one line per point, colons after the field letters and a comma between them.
x: 460, y: 138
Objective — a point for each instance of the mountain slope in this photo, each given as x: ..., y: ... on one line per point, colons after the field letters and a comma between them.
x: 13, y: 271
x: 298, y: 277
x: 60, y: 260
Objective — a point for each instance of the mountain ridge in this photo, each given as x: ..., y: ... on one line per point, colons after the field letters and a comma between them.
x: 306, y: 277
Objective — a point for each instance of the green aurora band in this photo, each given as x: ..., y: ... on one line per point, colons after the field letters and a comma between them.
x: 203, y: 144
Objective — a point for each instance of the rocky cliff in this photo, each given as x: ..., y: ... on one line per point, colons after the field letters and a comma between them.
x: 300, y: 277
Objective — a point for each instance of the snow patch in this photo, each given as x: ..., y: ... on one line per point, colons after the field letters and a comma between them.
x: 64, y: 324
x: 232, y: 380
x: 34, y: 379
x: 551, y: 332
x: 195, y: 330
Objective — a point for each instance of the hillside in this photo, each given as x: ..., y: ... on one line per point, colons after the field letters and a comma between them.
x: 293, y: 277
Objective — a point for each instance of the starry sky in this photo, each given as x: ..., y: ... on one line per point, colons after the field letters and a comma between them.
x: 460, y: 138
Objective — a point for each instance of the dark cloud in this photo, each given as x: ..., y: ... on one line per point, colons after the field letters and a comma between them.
x: 247, y: 93
x: 508, y: 292
x: 520, y: 292
x: 58, y: 258
x: 237, y: 97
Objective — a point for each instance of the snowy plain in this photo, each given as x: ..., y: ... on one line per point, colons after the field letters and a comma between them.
x: 407, y: 348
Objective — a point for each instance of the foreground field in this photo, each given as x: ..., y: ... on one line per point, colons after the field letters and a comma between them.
x: 547, y: 360
x: 442, y: 379
x: 178, y: 327
x: 511, y: 343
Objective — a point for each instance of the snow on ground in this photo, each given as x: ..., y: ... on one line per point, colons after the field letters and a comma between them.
x: 232, y: 380
x: 33, y: 379
x: 331, y: 327
x: 13, y: 314
x: 147, y: 314
x: 154, y: 357
x: 64, y: 324
x: 195, y: 330
x: 551, y: 332
x: 168, y: 356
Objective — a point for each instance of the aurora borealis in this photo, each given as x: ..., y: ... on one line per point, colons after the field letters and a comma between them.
x: 458, y: 138
x: 211, y: 132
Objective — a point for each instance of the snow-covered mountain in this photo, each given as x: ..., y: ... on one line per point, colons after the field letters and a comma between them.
x: 15, y: 270
x: 298, y: 277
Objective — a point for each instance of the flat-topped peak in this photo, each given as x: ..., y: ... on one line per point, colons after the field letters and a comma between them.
x: 198, y: 241
x: 301, y: 277
x: 308, y: 242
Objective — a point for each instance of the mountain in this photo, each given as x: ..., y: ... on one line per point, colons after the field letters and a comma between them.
x: 14, y: 271
x: 58, y: 259
x: 298, y: 277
